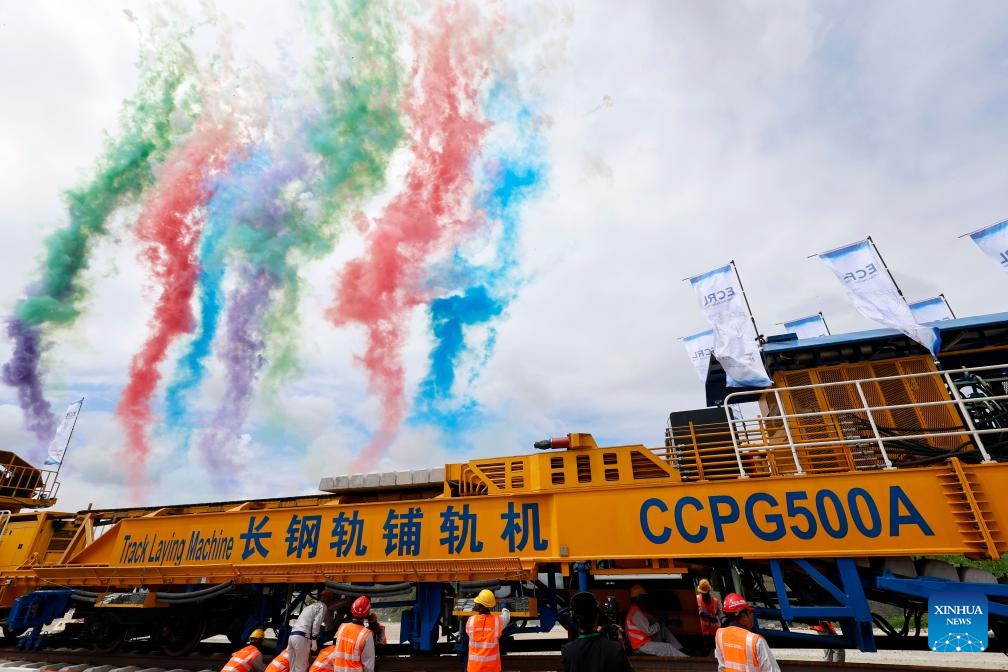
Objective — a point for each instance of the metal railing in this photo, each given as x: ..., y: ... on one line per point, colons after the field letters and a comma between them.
x: 19, y: 481
x: 823, y: 434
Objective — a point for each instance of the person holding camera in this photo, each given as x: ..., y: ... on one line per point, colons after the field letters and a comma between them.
x: 591, y: 652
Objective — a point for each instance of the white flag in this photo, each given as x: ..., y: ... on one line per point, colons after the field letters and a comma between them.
x: 700, y: 347
x: 874, y: 293
x: 934, y: 309
x: 993, y: 240
x: 58, y: 446
x: 807, y: 327
x: 720, y: 298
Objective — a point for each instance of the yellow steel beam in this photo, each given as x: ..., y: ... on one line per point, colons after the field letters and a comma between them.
x: 877, y: 513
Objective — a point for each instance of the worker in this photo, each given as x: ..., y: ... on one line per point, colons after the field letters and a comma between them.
x: 830, y: 655
x: 280, y: 662
x: 314, y: 619
x: 484, y: 630
x: 250, y: 658
x: 323, y: 659
x: 354, y: 644
x: 709, y: 607
x: 646, y: 633
x: 591, y: 652
x: 737, y: 648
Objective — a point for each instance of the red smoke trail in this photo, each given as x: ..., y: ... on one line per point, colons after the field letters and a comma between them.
x: 378, y: 290
x: 169, y: 226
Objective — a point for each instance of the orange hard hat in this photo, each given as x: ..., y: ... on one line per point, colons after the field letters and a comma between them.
x: 734, y: 603
x: 637, y: 591
x: 361, y: 607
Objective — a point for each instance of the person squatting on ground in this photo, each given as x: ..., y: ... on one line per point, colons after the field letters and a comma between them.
x: 354, y: 643
x: 484, y: 630
x: 737, y: 648
x: 314, y: 619
x: 591, y: 652
x: 280, y: 662
x: 709, y: 608
x: 646, y: 634
x: 322, y: 660
x: 249, y: 659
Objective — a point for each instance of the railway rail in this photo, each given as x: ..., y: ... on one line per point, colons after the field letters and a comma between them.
x: 86, y: 661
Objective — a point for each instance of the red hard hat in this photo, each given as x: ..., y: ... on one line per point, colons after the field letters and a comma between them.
x: 361, y: 607
x: 327, y: 596
x: 734, y: 603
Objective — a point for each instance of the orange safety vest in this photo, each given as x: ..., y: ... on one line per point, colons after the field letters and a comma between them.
x: 484, y: 632
x: 281, y: 663
x: 243, y: 660
x: 350, y: 640
x: 637, y: 637
x: 709, y: 622
x: 322, y: 659
x: 738, y: 648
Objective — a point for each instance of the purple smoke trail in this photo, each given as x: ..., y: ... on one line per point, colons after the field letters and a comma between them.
x: 242, y: 353
x: 22, y: 371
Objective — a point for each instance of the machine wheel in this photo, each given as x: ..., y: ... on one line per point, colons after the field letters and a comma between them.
x: 104, y: 632
x: 178, y: 634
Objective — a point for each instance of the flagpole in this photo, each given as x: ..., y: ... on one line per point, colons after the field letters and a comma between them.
x: 67, y: 447
x: 983, y: 228
x: 947, y: 305
x: 828, y: 333
x: 759, y: 337
x: 886, y: 267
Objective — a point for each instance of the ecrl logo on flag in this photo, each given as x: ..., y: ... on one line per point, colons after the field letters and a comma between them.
x: 874, y: 293
x: 993, y: 240
x: 957, y: 622
x: 700, y: 347
x: 720, y: 298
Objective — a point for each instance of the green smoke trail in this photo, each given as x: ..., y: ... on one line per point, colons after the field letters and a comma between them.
x: 349, y: 141
x: 122, y: 173
x: 124, y: 170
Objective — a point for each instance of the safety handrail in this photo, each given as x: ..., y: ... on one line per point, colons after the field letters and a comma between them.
x: 838, y: 435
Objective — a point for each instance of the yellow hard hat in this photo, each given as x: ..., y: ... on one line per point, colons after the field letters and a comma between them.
x: 637, y: 591
x: 258, y: 633
x: 704, y: 586
x: 486, y: 598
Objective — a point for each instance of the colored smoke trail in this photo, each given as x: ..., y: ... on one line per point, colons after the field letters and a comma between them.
x: 513, y: 172
x: 248, y: 199
x: 379, y: 290
x: 351, y: 139
x: 191, y: 367
x: 170, y: 224
x: 123, y: 172
x: 242, y: 353
x: 340, y: 153
x: 22, y: 372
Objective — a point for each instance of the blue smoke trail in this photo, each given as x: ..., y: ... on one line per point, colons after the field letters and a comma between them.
x: 228, y: 194
x: 510, y: 176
